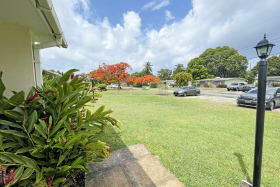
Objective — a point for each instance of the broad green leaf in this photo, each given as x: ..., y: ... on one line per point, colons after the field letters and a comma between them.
x: 77, y: 161
x: 33, y: 119
x: 66, y: 75
x: 64, y: 168
x: 73, y: 140
x: 59, y: 181
x: 57, y: 126
x: 11, y: 124
x: 13, y: 114
x: 44, y: 126
x: 27, y: 173
x: 10, y: 145
x: 40, y: 130
x: 17, y: 99
x: 38, y: 140
x: 79, y: 167
x: 14, y: 133
x: 23, y: 150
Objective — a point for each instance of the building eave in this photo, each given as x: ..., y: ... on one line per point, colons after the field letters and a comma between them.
x: 47, y: 13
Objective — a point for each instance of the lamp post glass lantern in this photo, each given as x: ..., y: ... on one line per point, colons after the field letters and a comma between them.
x: 263, y: 49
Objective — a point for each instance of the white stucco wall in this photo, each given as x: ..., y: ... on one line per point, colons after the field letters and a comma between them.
x: 16, y: 58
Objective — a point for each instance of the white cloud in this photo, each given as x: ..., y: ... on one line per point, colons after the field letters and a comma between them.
x: 236, y: 23
x: 168, y: 15
x: 156, y: 5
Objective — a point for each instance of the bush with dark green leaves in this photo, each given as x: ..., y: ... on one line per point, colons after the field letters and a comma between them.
x: 51, y: 133
x: 137, y: 84
x: 102, y: 87
x: 153, y: 84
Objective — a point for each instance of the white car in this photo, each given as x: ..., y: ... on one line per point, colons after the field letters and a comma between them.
x: 112, y: 86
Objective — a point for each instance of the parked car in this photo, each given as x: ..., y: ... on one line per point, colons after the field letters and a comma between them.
x: 186, y: 90
x: 235, y: 86
x: 172, y: 84
x: 112, y: 86
x: 248, y: 87
x: 272, y: 98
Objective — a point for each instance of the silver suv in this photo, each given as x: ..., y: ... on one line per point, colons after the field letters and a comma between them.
x: 235, y: 86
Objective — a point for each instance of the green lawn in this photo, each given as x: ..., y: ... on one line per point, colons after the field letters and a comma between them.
x: 203, y: 143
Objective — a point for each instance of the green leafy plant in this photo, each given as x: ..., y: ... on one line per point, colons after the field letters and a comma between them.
x: 51, y: 133
x: 153, y: 84
x: 102, y: 87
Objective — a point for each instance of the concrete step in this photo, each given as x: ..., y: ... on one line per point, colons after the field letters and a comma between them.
x: 133, y: 166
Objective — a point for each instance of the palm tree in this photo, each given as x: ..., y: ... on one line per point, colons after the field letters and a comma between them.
x: 147, y: 69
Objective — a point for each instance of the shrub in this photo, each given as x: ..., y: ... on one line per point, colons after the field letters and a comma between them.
x: 102, y: 87
x: 222, y: 86
x: 50, y: 134
x: 137, y: 84
x: 183, y: 78
x: 276, y: 84
x: 154, y: 85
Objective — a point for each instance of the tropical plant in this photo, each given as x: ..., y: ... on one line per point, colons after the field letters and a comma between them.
x: 165, y: 74
x: 147, y: 69
x: 183, y: 78
x: 50, y: 134
x: 153, y: 84
x: 102, y: 87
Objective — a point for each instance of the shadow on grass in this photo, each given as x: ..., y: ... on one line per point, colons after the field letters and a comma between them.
x: 243, y: 166
x: 121, y: 168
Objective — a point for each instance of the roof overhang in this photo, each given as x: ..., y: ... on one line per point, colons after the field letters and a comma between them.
x: 37, y: 15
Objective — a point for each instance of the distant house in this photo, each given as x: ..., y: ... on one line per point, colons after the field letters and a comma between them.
x: 219, y: 81
x: 26, y: 27
x: 270, y: 80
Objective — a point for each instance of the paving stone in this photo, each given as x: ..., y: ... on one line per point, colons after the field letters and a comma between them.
x: 133, y: 166
x: 114, y: 177
x: 147, y: 170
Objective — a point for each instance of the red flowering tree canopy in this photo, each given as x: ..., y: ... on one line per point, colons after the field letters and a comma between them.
x: 147, y: 79
x: 115, y: 73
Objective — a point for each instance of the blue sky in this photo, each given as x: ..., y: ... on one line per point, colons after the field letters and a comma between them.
x: 114, y: 9
x: 164, y: 32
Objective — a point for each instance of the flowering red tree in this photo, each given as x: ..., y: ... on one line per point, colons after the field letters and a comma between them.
x: 115, y: 73
x: 147, y: 79
x: 131, y: 79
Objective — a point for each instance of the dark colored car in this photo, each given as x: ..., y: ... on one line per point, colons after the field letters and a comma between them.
x: 248, y: 87
x: 235, y: 86
x: 272, y: 98
x: 186, y: 90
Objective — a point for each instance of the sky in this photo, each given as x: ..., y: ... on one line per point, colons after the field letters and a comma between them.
x: 163, y: 32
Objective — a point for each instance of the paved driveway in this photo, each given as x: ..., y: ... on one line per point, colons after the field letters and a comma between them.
x: 221, y: 96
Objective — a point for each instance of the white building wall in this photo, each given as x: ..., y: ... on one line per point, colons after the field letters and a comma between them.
x: 16, y: 58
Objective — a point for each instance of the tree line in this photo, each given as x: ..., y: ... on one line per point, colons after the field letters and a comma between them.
x: 224, y: 62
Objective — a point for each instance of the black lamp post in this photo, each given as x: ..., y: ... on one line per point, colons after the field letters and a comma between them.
x: 263, y: 49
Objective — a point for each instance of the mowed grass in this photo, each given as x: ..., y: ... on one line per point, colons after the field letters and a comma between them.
x: 202, y: 143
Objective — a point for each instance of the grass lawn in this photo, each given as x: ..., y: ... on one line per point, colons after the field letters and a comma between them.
x: 203, y: 143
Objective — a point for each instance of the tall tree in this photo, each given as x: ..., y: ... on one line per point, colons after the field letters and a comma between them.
x: 165, y: 74
x: 178, y: 69
x: 147, y: 69
x: 273, y: 67
x: 116, y: 73
x: 220, y: 62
